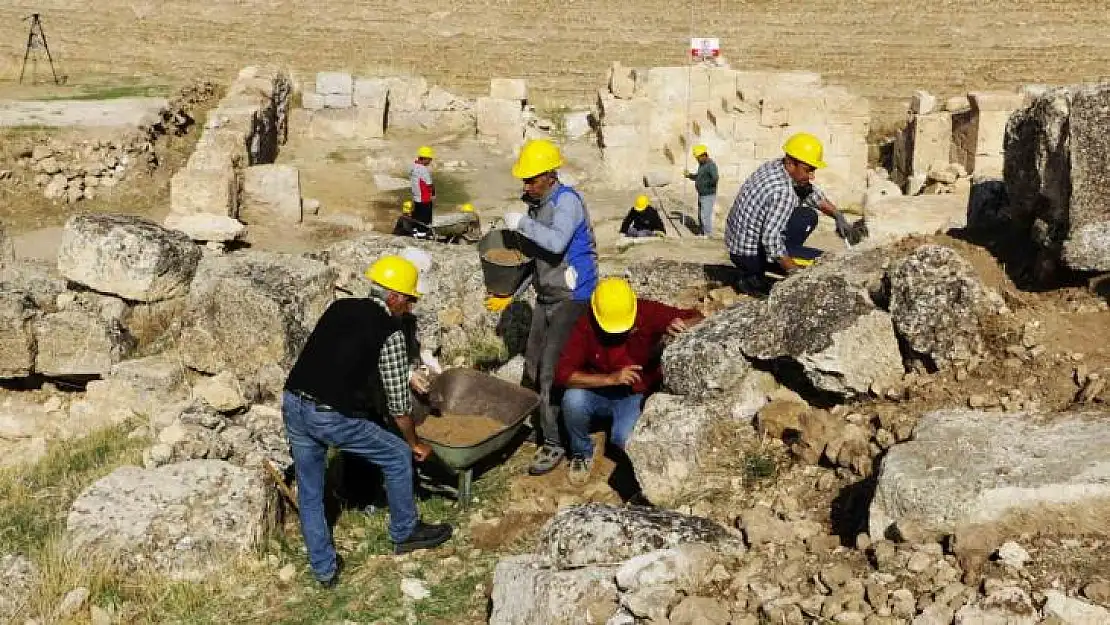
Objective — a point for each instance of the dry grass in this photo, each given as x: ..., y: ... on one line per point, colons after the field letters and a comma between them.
x: 883, y: 49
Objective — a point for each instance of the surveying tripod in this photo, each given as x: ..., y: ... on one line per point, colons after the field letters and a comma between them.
x: 36, y: 40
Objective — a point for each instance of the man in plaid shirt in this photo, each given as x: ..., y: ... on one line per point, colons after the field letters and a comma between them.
x: 353, y: 371
x: 775, y: 212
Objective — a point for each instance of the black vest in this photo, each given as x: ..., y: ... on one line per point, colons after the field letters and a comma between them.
x: 339, y: 362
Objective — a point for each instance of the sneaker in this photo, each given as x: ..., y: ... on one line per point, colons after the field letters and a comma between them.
x: 425, y: 536
x: 579, y: 472
x: 330, y: 582
x: 546, y: 459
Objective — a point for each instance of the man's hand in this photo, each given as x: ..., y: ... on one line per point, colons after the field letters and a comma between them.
x: 496, y: 303
x: 843, y: 228
x: 420, y: 381
x: 421, y: 451
x: 512, y: 220
x: 676, y: 327
x: 626, y: 377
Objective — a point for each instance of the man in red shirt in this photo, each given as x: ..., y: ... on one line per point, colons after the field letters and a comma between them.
x: 610, y: 362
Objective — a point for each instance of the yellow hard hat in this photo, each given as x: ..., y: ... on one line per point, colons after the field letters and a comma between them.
x: 642, y: 202
x: 614, y: 305
x: 700, y: 149
x: 425, y: 152
x: 806, y: 148
x: 396, y: 274
x: 538, y: 156
x: 406, y: 207
x: 467, y: 208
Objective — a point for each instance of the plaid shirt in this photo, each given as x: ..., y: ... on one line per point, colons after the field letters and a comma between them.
x: 394, y: 367
x: 761, y: 210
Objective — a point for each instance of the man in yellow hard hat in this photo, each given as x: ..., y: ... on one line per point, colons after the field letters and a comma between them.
x: 561, y: 242
x: 423, y: 191
x: 705, y: 183
x: 642, y: 220
x: 352, y: 372
x: 403, y: 226
x: 610, y: 363
x: 775, y: 212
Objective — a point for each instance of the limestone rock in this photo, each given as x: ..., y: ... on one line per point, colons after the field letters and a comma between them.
x: 1005, y: 606
x: 127, y: 256
x: 700, y: 611
x: 221, y: 391
x: 936, y: 302
x: 967, y: 468
x: 17, y: 575
x: 271, y: 194
x: 1074, y: 611
x: 17, y: 337
x: 525, y: 593
x: 668, y: 444
x: 333, y: 83
x: 76, y: 342
x: 709, y: 358
x: 602, y: 534
x: 206, y: 226
x: 1057, y: 162
x: 185, y: 520
x: 246, y: 311
x: 686, y: 567
x: 37, y: 280
x: 892, y: 216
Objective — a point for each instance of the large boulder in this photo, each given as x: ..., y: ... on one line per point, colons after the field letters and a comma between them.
x: 79, y: 343
x: 271, y: 194
x: 527, y: 593
x: 246, y: 312
x: 17, y: 577
x: 709, y: 359
x: 1057, y: 171
x: 601, y: 534
x: 127, y: 256
x: 974, y: 468
x: 184, y: 520
x: 937, y: 304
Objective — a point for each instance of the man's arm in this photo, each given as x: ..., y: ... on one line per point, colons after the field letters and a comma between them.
x: 556, y: 237
x: 655, y: 222
x: 393, y: 366
x: 712, y: 176
x: 627, y: 222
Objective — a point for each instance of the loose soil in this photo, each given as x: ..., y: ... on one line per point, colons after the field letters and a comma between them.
x: 505, y: 258
x: 459, y: 430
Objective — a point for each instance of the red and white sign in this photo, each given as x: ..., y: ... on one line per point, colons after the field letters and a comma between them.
x: 705, y: 47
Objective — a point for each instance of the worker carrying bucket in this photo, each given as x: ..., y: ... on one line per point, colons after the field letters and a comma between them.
x: 556, y: 234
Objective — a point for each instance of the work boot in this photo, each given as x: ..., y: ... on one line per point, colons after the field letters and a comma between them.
x: 546, y: 459
x: 425, y: 536
x: 330, y: 582
x: 579, y: 472
x: 754, y: 286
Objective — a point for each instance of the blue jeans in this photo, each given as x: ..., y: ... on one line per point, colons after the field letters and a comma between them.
x: 802, y: 223
x: 310, y: 431
x: 705, y: 213
x: 581, y: 405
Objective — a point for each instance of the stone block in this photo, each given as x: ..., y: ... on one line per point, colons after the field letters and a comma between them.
x: 957, y: 103
x: 676, y: 85
x: 629, y: 111
x: 500, y: 119
x: 221, y: 148
x: 622, y: 136
x: 625, y: 167
x: 406, y: 93
x: 509, y: 89
x: 372, y: 93
x: 329, y: 83
x: 206, y: 226
x: 843, y: 103
x: 774, y: 111
x: 271, y: 194
x: 931, y: 140
x: 892, y: 217
x: 442, y: 100
x: 806, y: 110
x: 922, y: 103
x: 722, y: 84
x: 746, y: 127
x: 79, y: 343
x: 17, y: 337
x: 212, y: 191
x: 127, y: 256
x: 622, y: 81
x: 337, y: 101
x: 998, y: 101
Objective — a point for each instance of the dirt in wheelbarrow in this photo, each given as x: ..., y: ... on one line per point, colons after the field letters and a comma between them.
x: 459, y: 430
x: 505, y: 257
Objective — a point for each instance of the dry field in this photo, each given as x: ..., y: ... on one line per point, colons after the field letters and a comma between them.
x: 883, y: 49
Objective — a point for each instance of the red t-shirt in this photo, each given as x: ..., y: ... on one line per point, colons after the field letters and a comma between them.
x: 585, y: 350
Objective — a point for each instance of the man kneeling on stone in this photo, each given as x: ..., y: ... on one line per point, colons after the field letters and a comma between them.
x: 353, y: 370
x: 610, y: 362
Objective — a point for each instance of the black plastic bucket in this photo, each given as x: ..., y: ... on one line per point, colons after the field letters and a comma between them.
x: 502, y: 279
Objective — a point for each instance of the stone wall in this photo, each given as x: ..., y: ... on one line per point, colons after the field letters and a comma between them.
x: 246, y: 128
x: 743, y: 117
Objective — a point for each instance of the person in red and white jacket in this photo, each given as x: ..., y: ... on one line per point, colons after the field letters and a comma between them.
x: 423, y: 191
x: 610, y: 363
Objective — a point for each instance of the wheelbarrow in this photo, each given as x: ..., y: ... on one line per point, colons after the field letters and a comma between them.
x: 470, y: 392
x: 449, y: 227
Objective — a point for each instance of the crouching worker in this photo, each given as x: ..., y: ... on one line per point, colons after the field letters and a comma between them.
x: 610, y: 362
x: 353, y: 371
x: 642, y: 220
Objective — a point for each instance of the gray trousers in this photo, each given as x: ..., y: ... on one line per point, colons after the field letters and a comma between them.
x: 705, y: 213
x: 551, y: 325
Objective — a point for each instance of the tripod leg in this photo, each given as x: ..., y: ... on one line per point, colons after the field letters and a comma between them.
x: 42, y: 35
x: 27, y: 53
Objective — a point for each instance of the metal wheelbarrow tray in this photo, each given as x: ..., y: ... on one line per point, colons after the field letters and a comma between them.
x: 470, y: 392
